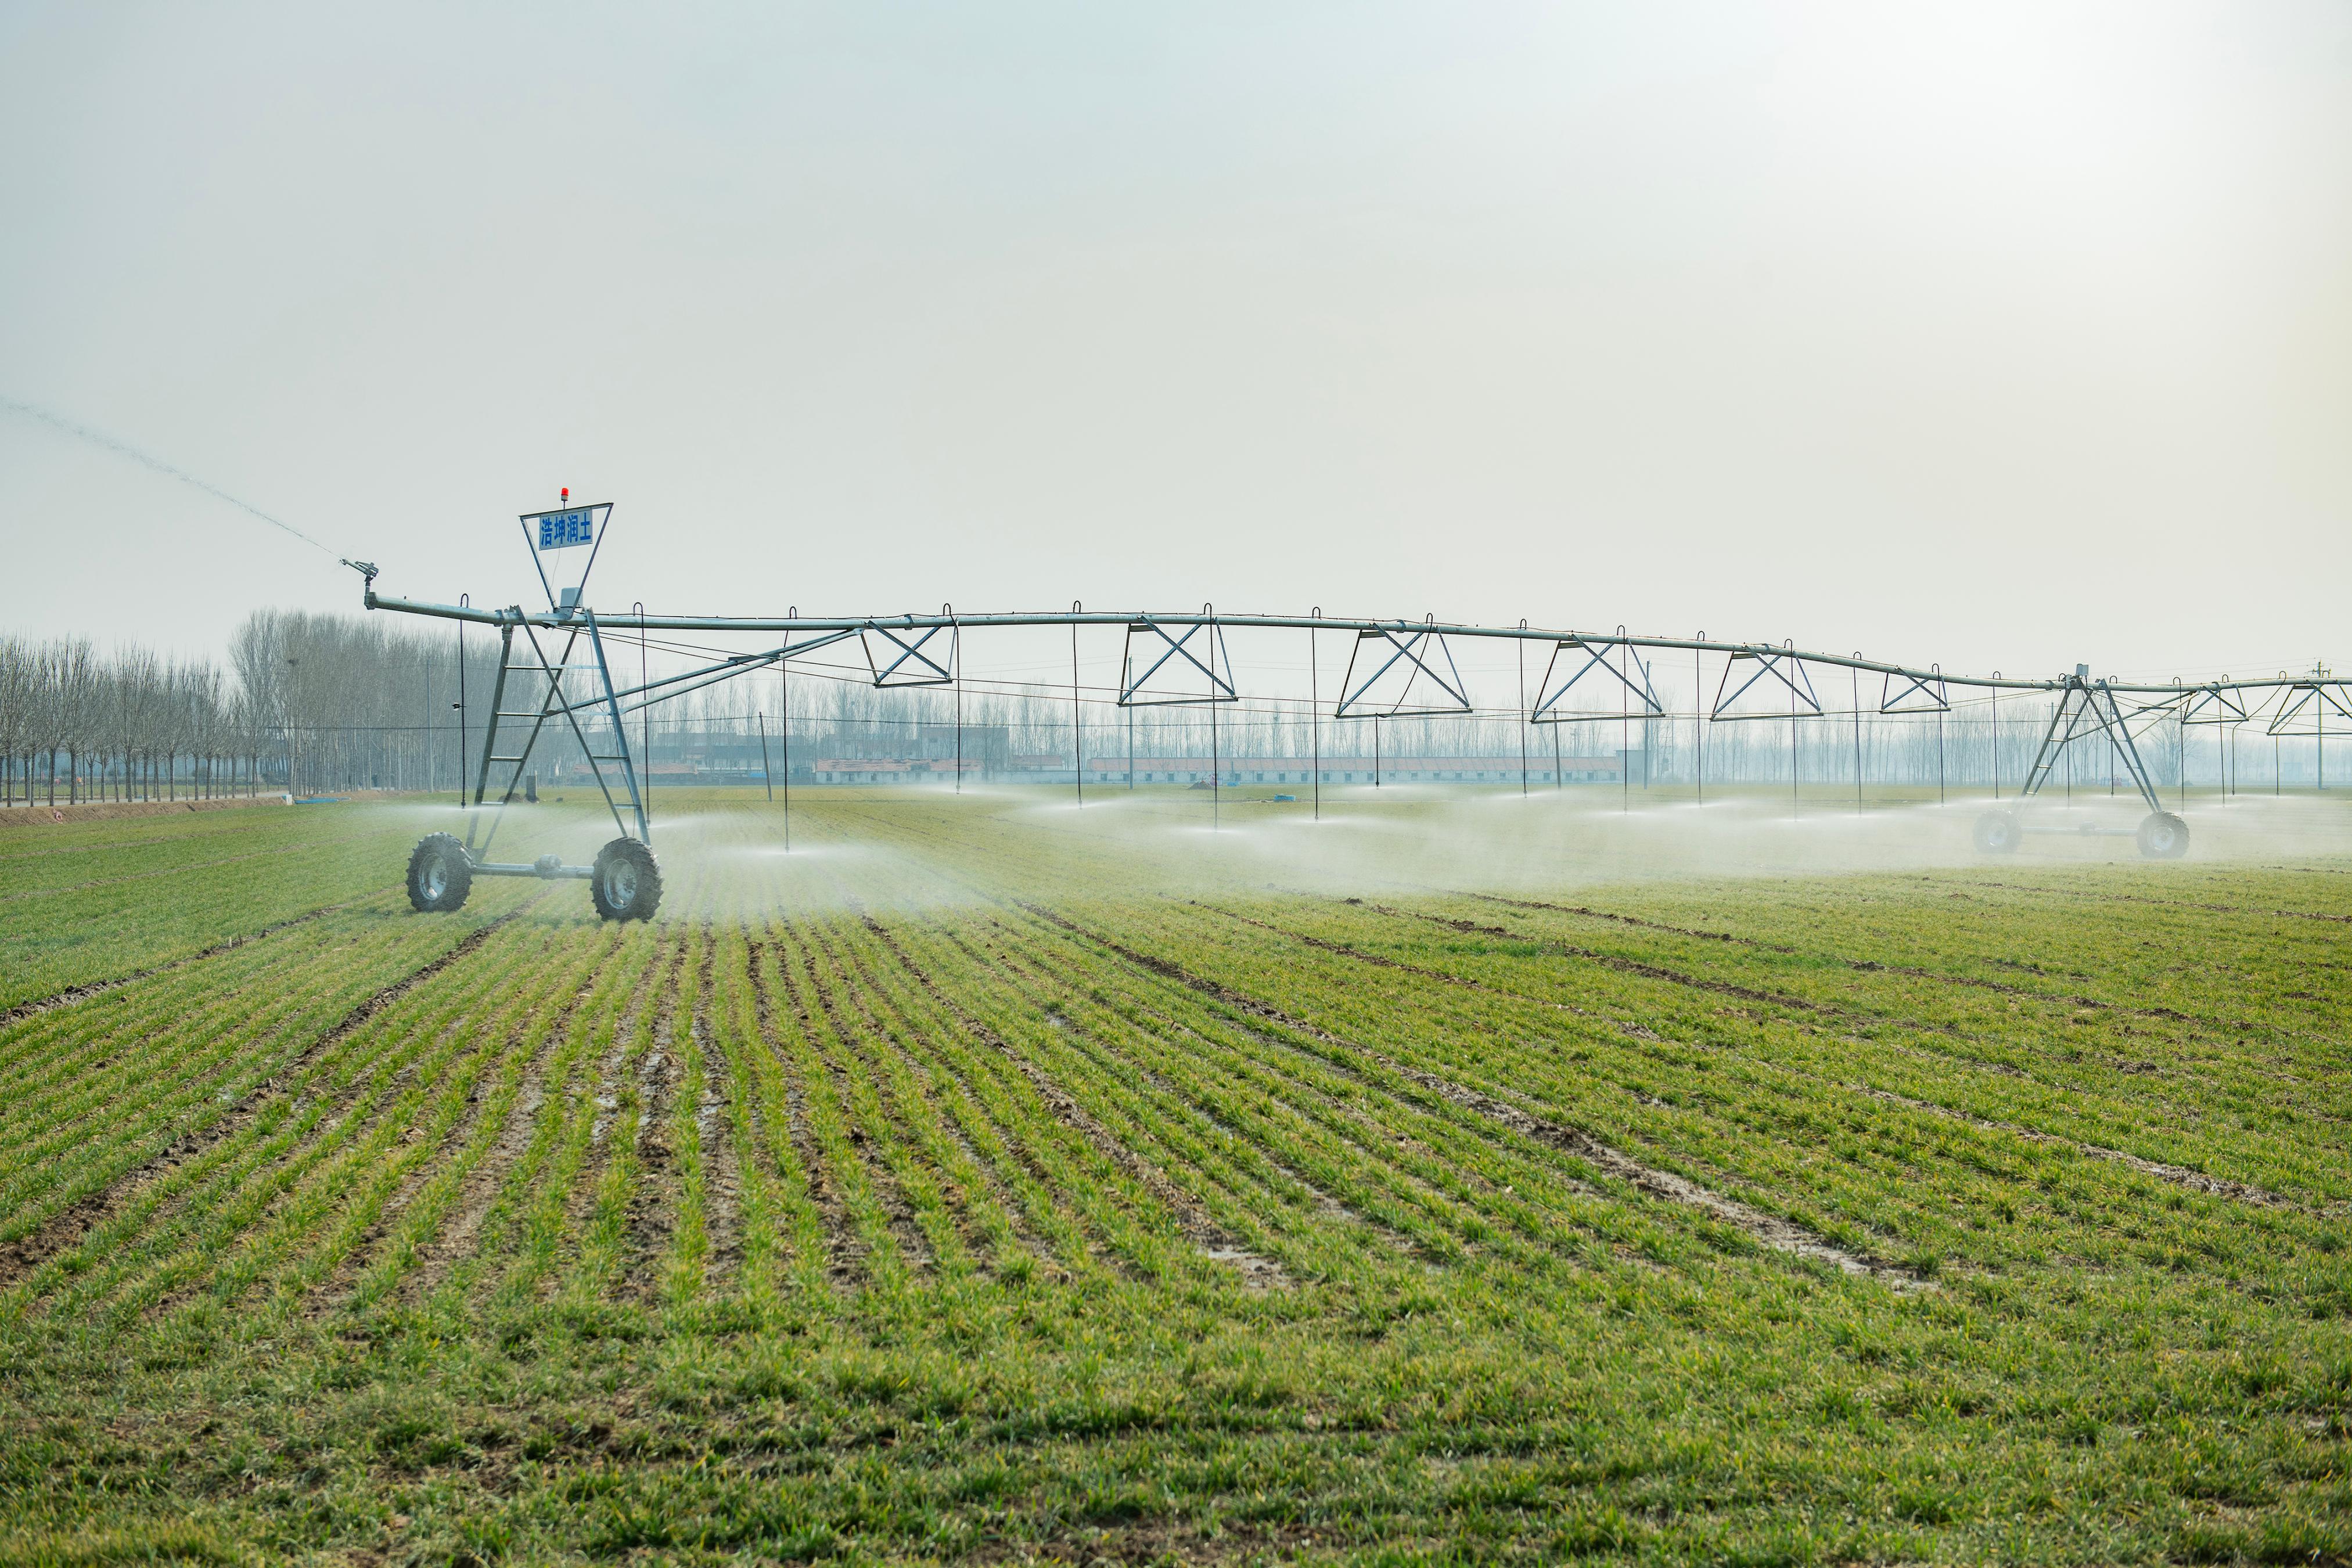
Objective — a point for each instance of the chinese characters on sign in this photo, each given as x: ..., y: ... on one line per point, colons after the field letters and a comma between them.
x: 561, y: 530
x: 566, y: 528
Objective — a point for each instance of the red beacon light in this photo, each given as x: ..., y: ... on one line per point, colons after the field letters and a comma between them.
x: 567, y: 497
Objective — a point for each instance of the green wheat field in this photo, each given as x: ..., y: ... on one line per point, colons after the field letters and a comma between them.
x: 1455, y: 1179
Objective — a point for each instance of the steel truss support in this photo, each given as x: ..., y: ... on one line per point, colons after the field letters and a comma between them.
x: 1907, y: 692
x: 1616, y: 666
x: 2304, y: 708
x: 902, y: 658
x: 1411, y: 655
x: 2088, y: 708
x: 1151, y: 647
x: 2214, y: 704
x: 1771, y: 670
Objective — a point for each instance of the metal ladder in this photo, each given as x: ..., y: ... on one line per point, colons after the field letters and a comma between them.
x: 552, y: 703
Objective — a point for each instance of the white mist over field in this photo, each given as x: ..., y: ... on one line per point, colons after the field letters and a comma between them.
x: 724, y: 855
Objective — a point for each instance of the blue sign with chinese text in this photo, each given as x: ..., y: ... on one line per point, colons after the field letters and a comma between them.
x: 562, y: 530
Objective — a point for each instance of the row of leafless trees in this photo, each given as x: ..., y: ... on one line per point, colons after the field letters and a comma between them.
x: 76, y: 724
x: 304, y: 703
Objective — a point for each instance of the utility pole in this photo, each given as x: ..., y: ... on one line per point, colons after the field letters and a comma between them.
x: 293, y: 668
x: 1315, y: 713
x: 1522, y: 646
x: 784, y: 673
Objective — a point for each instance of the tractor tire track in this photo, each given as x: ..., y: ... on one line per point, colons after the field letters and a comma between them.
x: 1768, y: 1230
x: 2180, y: 1175
x: 1857, y: 966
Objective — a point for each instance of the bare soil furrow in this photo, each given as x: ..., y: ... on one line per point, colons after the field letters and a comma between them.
x: 899, y: 1213
x: 150, y: 875
x: 66, y: 998
x: 1606, y: 960
x: 298, y: 1177
x: 845, y: 1254
x: 333, y: 1291
x: 653, y: 1202
x: 1634, y: 1029
x: 28, y: 1253
x: 477, y: 1195
x: 1199, y: 1226
x: 2165, y: 903
x: 969, y: 1209
x: 1016, y: 1147
x: 1444, y: 1191
x: 1372, y: 1141
x: 2005, y: 1070
x: 1107, y: 1056
x: 714, y: 1124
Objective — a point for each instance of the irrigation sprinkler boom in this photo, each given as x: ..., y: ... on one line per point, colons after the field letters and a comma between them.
x: 1407, y: 668
x: 2087, y: 707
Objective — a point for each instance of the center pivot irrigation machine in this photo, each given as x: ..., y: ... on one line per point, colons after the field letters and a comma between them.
x: 555, y: 677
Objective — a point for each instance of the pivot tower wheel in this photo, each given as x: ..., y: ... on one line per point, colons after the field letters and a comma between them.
x: 2163, y: 836
x: 440, y: 875
x: 626, y: 882
x: 1997, y: 833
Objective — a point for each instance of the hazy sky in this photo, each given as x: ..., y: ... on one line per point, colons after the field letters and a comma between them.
x: 1994, y: 335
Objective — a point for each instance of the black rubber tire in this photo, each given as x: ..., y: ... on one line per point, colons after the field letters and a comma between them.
x: 1997, y: 833
x: 626, y: 884
x: 2163, y: 836
x: 440, y: 877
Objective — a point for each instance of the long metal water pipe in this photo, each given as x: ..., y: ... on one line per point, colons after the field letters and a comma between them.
x: 835, y: 627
